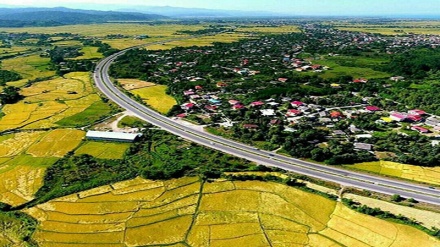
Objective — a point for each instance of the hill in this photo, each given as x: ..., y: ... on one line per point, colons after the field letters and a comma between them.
x: 178, y: 12
x: 22, y: 17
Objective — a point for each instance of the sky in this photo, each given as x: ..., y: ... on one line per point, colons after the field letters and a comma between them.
x: 295, y: 7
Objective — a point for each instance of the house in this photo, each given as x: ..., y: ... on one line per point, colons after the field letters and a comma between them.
x: 338, y: 132
x: 181, y: 115
x: 233, y: 102
x: 414, y: 118
x: 215, y: 101
x: 336, y: 114
x: 274, y: 122
x: 297, y: 103
x: 212, y: 108
x: 221, y: 84
x: 282, y: 79
x: 335, y: 85
x: 238, y: 106
x: 273, y: 103
x: 250, y: 126
x: 417, y: 112
x: 399, y: 117
x: 293, y: 112
x: 199, y: 88
x: 420, y: 129
x: 432, y: 121
x: 187, y: 106
x: 397, y: 78
x: 363, y: 146
x: 268, y: 112
x: 360, y: 80
x: 189, y: 92
x: 372, y: 108
x: 112, y: 136
x: 257, y: 103
x: 286, y: 99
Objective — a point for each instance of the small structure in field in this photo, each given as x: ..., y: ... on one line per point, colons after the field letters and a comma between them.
x: 112, y: 136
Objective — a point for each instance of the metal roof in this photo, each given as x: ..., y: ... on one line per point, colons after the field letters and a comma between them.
x: 112, y: 135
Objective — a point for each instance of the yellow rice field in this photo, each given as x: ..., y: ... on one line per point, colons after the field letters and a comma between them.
x: 22, y: 177
x: 57, y: 143
x: 417, y: 173
x: 156, y: 98
x: 222, y: 213
x: 49, y: 101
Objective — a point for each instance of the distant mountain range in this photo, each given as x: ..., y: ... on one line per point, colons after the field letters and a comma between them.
x: 21, y: 17
x: 177, y: 12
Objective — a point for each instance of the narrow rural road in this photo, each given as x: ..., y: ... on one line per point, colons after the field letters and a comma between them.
x: 348, y: 178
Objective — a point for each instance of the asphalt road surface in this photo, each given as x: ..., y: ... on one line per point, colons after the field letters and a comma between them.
x: 344, y: 177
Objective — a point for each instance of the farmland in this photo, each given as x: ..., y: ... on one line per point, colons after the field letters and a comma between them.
x: 103, y: 150
x: 417, y: 173
x: 223, y: 213
x: 29, y: 67
x: 156, y: 97
x: 57, y: 143
x: 67, y: 101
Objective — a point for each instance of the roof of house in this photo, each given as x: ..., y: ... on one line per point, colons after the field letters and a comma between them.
x: 363, y: 146
x: 257, y: 103
x: 420, y: 129
x: 335, y: 114
x: 372, y: 108
x: 112, y: 135
x: 298, y: 103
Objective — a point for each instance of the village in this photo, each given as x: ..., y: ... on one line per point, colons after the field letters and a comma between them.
x: 269, y: 91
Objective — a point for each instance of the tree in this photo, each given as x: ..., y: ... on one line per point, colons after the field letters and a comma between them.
x: 396, y: 198
x: 10, y: 95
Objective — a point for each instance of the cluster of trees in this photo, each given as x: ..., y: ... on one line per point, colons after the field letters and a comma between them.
x: 409, y: 149
x: 416, y: 63
x: 7, y: 76
x: 104, y: 48
x: 10, y: 95
x: 210, y: 29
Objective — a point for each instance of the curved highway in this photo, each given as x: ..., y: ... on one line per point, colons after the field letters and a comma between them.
x: 332, y: 174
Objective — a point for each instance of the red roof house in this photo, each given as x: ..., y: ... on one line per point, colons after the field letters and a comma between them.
x: 396, y: 116
x: 238, y: 106
x: 187, y: 106
x: 297, y: 103
x: 414, y: 118
x: 282, y: 79
x: 199, y: 88
x: 250, y: 126
x: 372, y: 108
x: 293, y: 112
x: 336, y: 114
x: 420, y: 129
x: 417, y: 112
x: 257, y: 103
x: 233, y: 102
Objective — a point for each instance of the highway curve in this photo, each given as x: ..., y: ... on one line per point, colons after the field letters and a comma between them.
x: 348, y: 178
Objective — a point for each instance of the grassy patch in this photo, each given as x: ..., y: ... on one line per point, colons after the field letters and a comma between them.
x: 93, y: 113
x: 89, y: 53
x: 156, y: 98
x: 29, y: 67
x: 131, y: 121
x: 103, y: 150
